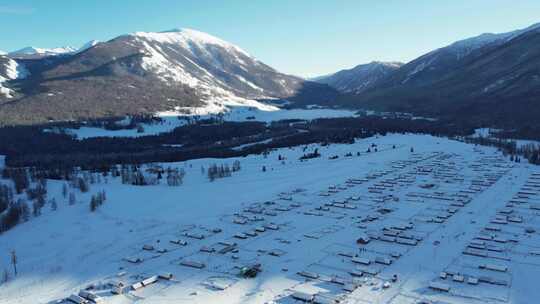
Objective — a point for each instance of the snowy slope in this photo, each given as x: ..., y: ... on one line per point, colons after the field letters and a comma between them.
x: 464, y: 47
x: 87, y: 45
x: 419, y: 71
x: 491, y: 78
x: 445, y: 60
x: 10, y: 70
x: 205, y: 62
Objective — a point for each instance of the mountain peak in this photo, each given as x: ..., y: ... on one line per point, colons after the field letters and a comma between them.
x: 489, y: 38
x: 88, y: 45
x: 188, y: 37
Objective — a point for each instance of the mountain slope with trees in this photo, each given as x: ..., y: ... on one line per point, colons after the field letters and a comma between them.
x: 143, y: 73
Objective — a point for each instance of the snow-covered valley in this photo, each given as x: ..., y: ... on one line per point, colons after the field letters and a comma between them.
x: 417, y: 218
x: 173, y: 119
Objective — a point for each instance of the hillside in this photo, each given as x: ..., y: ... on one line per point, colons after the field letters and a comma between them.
x: 490, y: 79
x: 360, y: 78
x: 146, y: 73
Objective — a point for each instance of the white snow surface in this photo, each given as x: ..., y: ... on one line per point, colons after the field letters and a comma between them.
x: 492, y: 133
x: 63, y: 251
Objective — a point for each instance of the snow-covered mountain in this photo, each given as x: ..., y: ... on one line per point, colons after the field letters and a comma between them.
x: 34, y: 52
x: 493, y: 78
x: 213, y: 66
x: 464, y: 47
x: 157, y: 71
x: 420, y: 71
x: 431, y: 66
x: 361, y: 77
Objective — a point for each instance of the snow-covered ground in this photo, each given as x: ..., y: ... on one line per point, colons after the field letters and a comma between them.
x: 491, y: 133
x: 441, y: 198
x: 246, y: 112
x: 484, y: 132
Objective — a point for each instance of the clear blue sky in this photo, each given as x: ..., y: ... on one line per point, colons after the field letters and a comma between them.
x: 303, y: 37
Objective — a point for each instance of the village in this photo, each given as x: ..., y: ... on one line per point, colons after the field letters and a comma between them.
x: 422, y: 223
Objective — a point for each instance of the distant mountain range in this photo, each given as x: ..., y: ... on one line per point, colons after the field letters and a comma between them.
x: 492, y: 79
x: 31, y: 52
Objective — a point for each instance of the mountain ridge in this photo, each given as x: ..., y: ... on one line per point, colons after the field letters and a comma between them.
x: 360, y: 77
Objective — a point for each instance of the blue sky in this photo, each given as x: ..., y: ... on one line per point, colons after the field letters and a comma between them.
x: 303, y: 37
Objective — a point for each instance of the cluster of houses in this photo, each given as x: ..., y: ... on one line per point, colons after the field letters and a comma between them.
x: 487, y: 257
x: 385, y: 230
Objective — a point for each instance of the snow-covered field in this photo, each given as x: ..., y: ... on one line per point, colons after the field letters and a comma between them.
x: 444, y: 207
x: 491, y: 133
x: 170, y: 120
